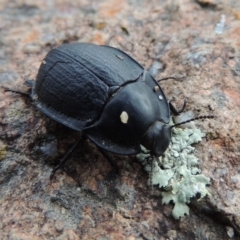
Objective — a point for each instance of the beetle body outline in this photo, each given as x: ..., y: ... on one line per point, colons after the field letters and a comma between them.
x: 86, y: 87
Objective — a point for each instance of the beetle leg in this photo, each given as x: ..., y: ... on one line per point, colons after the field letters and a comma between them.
x: 65, y: 158
x: 174, y: 110
x: 111, y: 176
x: 16, y: 91
x: 111, y: 161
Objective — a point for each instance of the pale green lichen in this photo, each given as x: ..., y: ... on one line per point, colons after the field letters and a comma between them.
x: 177, y: 172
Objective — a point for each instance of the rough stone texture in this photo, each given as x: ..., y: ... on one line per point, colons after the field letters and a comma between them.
x: 85, y: 201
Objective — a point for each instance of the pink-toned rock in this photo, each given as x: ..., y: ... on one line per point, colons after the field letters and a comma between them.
x: 85, y: 202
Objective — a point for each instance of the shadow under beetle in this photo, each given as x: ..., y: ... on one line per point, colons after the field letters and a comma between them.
x: 107, y: 95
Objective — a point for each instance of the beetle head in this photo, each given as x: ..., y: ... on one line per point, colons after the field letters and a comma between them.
x: 157, y: 138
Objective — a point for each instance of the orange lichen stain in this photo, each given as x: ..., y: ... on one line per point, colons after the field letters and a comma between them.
x: 100, y: 25
x: 109, y: 9
x: 236, y: 31
x: 31, y: 37
x: 116, y: 235
x: 234, y: 34
x: 98, y: 39
x: 233, y: 95
x: 236, y: 14
x: 20, y: 234
x: 93, y: 185
x: 218, y: 144
x: 87, y: 210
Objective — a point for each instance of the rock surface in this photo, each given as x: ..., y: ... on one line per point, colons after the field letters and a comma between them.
x: 196, y: 41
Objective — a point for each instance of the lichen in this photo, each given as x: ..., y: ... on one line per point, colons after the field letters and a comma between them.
x: 177, y: 173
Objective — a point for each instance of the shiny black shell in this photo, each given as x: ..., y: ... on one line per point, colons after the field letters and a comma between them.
x: 86, y: 87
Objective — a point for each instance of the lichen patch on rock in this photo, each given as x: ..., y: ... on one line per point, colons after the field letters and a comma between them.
x: 177, y: 172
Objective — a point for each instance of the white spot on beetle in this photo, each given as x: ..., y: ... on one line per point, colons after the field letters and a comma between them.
x: 160, y: 97
x: 124, y: 117
x: 44, y: 61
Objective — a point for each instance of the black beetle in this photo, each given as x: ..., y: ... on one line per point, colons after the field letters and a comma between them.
x: 108, y: 96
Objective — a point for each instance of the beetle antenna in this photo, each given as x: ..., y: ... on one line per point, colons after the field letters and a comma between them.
x: 192, y: 119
